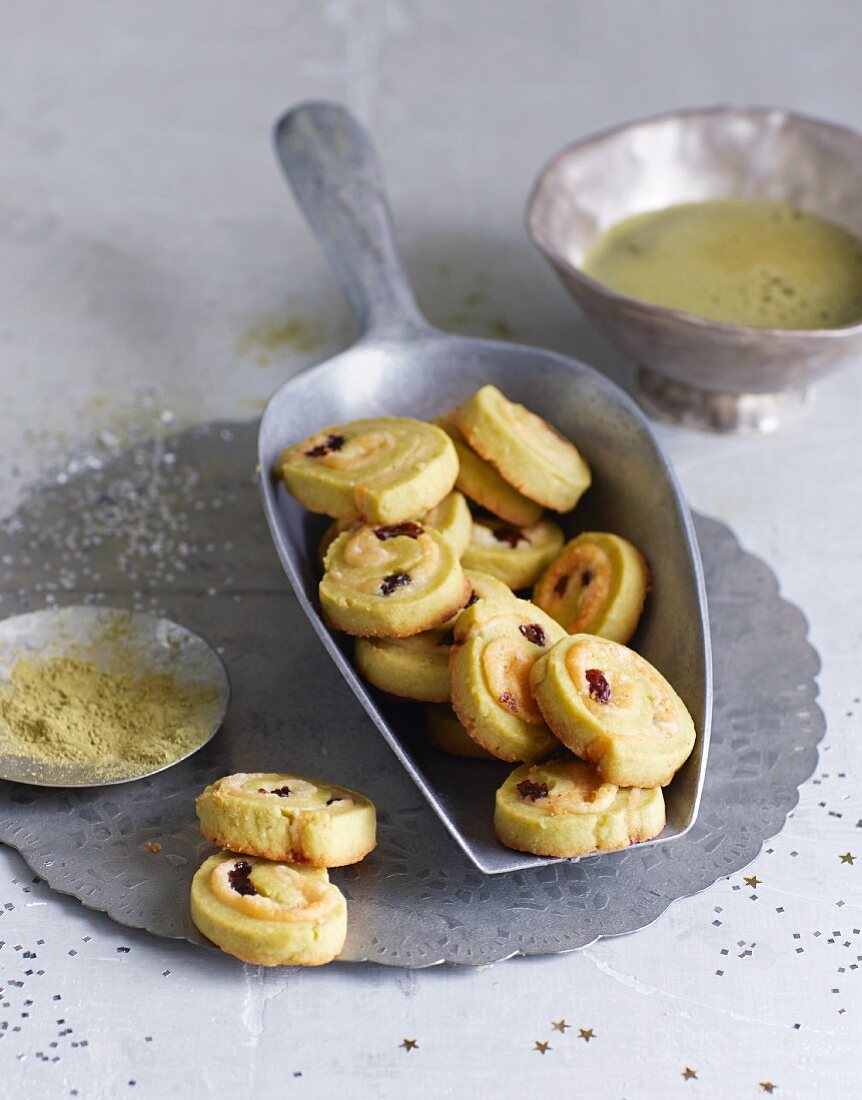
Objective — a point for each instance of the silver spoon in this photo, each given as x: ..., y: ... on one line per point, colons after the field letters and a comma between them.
x: 145, y: 644
x: 404, y: 367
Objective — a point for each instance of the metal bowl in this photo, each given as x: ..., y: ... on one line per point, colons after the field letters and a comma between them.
x: 701, y: 372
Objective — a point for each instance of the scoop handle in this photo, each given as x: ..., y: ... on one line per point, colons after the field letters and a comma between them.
x: 332, y: 166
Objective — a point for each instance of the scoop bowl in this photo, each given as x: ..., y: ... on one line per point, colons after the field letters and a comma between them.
x: 402, y: 366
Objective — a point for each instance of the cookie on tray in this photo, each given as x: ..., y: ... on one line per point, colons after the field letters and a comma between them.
x: 597, y: 585
x: 527, y: 451
x: 384, y: 470
x: 564, y: 808
x: 412, y: 668
x: 336, y: 528
x: 515, y: 555
x: 451, y: 517
x: 611, y: 707
x: 269, y: 914
x: 446, y: 733
x: 391, y: 581
x: 418, y: 667
x: 478, y: 480
x: 287, y: 817
x: 496, y: 644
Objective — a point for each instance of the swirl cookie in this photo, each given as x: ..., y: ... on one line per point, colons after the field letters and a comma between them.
x: 284, y: 817
x: 496, y: 644
x: 451, y: 517
x: 386, y: 470
x: 527, y: 451
x: 597, y: 585
x: 391, y: 581
x: 269, y: 914
x: 412, y: 668
x: 446, y: 733
x: 611, y: 707
x: 564, y: 808
x: 484, y: 586
x: 418, y: 667
x: 515, y: 555
x: 478, y: 480
x: 336, y: 528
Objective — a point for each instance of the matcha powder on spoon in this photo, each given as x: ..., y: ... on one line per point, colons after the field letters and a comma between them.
x: 69, y: 710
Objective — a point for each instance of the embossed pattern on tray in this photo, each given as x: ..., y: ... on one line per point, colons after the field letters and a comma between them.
x: 175, y: 527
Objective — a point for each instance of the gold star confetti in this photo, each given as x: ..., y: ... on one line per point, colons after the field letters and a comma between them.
x: 847, y: 858
x: 409, y: 1044
x: 753, y: 882
x: 542, y: 1048
x: 689, y: 1074
x: 586, y: 1033
x: 768, y: 1086
x: 560, y: 1025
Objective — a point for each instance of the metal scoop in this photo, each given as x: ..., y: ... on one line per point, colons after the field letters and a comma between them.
x: 138, y: 644
x: 403, y: 366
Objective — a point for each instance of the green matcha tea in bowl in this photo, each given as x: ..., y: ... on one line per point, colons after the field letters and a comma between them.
x: 721, y: 249
x: 744, y: 262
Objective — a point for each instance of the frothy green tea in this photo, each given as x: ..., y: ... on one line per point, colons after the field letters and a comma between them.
x: 744, y: 262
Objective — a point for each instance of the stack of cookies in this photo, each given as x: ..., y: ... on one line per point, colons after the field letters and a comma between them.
x: 267, y: 898
x: 428, y: 585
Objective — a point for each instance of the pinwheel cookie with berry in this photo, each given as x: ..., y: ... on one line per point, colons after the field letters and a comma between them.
x: 515, y: 555
x: 269, y: 914
x: 597, y: 585
x: 286, y: 817
x: 496, y: 644
x: 564, y: 808
x: 384, y: 470
x: 391, y: 581
x: 610, y: 706
x: 451, y: 517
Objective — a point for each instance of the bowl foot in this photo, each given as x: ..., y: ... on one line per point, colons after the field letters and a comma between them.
x: 712, y: 410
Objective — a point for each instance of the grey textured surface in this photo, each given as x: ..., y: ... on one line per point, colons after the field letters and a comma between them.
x: 408, y: 368
x: 416, y: 900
